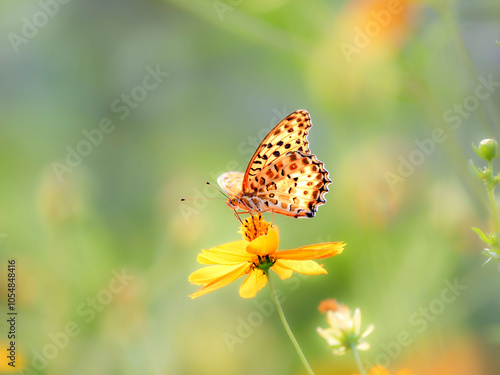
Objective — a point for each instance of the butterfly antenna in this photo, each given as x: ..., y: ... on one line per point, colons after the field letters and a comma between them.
x: 202, y: 199
x: 219, y: 190
x: 197, y: 199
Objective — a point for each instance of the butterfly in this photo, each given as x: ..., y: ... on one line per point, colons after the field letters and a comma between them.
x: 283, y: 176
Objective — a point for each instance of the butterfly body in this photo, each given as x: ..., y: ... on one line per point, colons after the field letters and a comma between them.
x: 282, y: 176
x: 247, y: 203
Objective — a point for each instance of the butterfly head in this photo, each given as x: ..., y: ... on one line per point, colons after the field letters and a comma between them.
x: 233, y: 202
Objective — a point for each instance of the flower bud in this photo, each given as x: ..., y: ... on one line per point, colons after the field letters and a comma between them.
x: 488, y: 149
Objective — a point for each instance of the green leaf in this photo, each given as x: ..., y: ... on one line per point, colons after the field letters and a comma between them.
x: 476, y: 149
x: 481, y: 235
x: 473, y: 169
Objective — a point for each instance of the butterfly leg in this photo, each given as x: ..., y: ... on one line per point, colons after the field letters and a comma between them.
x: 238, y: 213
x: 238, y: 216
x: 253, y: 220
x: 258, y: 216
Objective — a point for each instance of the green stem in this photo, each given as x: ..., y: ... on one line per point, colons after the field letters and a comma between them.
x: 491, y: 195
x: 287, y: 327
x: 358, y: 360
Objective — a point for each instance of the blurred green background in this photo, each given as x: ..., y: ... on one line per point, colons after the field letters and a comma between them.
x: 378, y: 78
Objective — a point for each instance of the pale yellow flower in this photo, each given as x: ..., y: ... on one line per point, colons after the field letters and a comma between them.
x: 345, y: 330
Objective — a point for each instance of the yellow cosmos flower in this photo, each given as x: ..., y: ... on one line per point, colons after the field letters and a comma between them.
x: 19, y: 362
x: 254, y: 256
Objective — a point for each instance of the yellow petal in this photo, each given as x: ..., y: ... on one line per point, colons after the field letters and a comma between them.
x: 218, y: 283
x: 283, y: 273
x: 264, y: 245
x: 230, y: 253
x: 238, y: 247
x: 254, y: 282
x: 206, y: 275
x: 308, y: 267
x: 318, y: 251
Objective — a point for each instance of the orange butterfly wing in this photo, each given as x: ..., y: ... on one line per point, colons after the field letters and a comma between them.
x: 283, y: 173
x: 231, y: 182
x: 298, y: 188
x: 289, y: 135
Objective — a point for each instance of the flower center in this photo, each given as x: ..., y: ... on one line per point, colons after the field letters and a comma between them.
x: 254, y: 226
x: 264, y: 262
